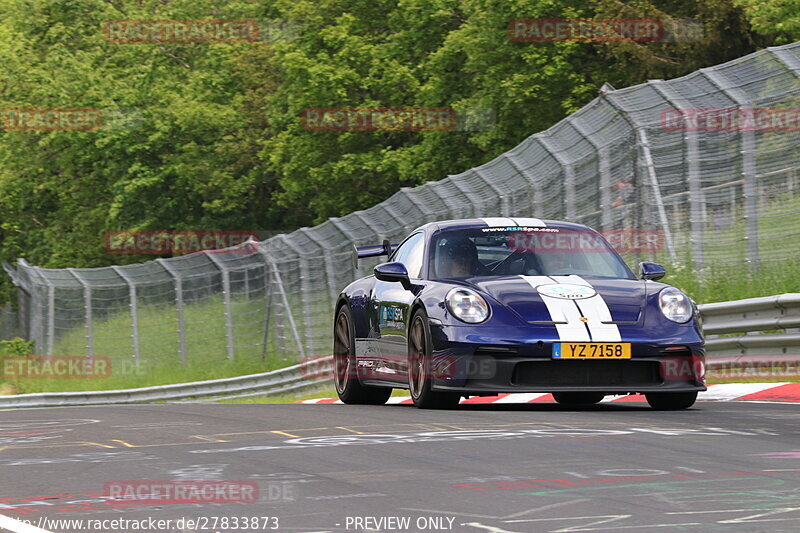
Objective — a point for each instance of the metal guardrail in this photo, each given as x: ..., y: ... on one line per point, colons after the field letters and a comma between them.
x: 752, y: 318
x: 303, y: 377
x: 740, y: 316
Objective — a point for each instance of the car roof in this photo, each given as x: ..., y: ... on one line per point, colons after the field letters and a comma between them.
x: 490, y: 222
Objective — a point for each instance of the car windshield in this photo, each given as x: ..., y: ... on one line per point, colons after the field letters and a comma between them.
x: 507, y: 251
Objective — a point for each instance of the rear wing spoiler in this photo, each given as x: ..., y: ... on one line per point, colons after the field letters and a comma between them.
x: 373, y: 250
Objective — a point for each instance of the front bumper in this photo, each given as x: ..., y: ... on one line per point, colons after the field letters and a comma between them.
x: 672, y: 364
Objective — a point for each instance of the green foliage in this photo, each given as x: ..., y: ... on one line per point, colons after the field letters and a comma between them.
x: 208, y: 135
x: 776, y: 18
x: 16, y: 347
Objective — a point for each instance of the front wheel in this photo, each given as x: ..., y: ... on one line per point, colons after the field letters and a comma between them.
x: 420, y: 368
x: 671, y: 401
x: 348, y: 387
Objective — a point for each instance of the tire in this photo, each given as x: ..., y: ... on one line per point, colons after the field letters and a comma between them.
x: 348, y: 387
x: 671, y: 401
x: 578, y: 398
x: 419, y: 368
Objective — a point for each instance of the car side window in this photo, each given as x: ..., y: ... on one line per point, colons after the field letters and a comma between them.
x: 410, y: 254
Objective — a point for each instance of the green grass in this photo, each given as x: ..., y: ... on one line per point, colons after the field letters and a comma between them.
x: 160, y: 363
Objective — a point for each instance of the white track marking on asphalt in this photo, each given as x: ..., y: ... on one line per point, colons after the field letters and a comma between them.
x: 11, y: 524
x: 561, y: 311
x: 495, y: 222
x: 731, y: 391
x: 595, y: 310
x: 531, y: 222
x: 491, y: 529
x: 520, y: 397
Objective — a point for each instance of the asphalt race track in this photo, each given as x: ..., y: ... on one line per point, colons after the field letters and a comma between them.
x: 721, y: 466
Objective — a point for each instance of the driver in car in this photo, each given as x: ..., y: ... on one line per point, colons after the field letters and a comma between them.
x: 458, y: 259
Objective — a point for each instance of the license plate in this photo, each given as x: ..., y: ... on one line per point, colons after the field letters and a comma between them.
x: 592, y: 350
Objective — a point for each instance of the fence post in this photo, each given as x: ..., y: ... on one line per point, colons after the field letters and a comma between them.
x: 87, y: 303
x: 570, y: 204
x: 286, y: 306
x: 134, y: 311
x: 267, y: 300
x: 697, y: 200
x: 662, y: 213
x: 504, y: 208
x: 226, y: 294
x: 749, y: 177
x: 604, y: 169
x: 176, y: 277
x: 536, y: 188
x: 305, y: 278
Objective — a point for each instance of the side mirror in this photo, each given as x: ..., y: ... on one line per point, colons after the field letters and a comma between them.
x: 651, y: 271
x: 393, y: 272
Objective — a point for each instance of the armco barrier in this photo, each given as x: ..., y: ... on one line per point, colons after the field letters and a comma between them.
x: 304, y: 377
x: 753, y: 318
x: 740, y: 316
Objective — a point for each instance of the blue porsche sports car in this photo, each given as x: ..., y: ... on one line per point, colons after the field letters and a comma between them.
x: 483, y: 306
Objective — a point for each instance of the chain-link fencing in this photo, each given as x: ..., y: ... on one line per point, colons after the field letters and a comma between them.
x: 653, y: 157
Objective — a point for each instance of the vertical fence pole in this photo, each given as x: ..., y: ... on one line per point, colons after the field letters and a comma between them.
x: 51, y: 317
x: 87, y: 304
x: 176, y: 277
x: 749, y: 176
x: 226, y: 294
x: 662, y: 213
x: 604, y: 169
x: 285, y: 302
x: 134, y: 311
x: 306, y: 294
x: 267, y: 301
x: 533, y: 180
x: 570, y: 199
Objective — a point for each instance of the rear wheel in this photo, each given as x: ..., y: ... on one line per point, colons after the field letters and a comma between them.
x: 419, y: 368
x: 578, y: 398
x: 348, y: 387
x: 671, y: 401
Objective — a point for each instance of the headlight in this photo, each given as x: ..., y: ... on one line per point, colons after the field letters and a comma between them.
x: 675, y: 305
x: 467, y: 305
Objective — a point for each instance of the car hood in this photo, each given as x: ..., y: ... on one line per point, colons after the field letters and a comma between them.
x: 625, y: 298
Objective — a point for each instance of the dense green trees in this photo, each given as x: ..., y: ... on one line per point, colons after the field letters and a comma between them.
x: 208, y: 136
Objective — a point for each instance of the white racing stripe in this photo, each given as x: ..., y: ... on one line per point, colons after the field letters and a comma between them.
x: 495, y: 222
x: 530, y: 222
x: 573, y: 330
x: 595, y: 310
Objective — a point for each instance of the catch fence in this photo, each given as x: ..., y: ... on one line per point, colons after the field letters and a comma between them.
x: 650, y: 157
